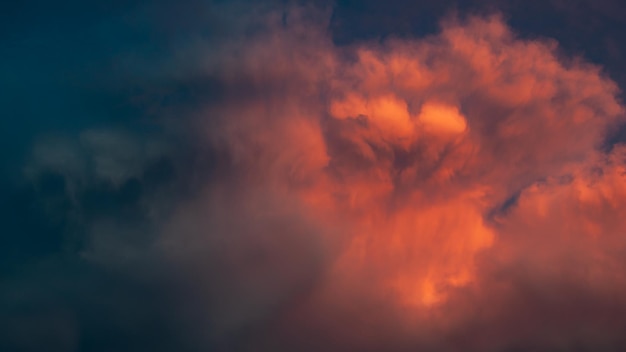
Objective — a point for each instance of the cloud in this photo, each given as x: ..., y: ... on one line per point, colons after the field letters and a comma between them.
x: 424, y: 155
x: 440, y: 193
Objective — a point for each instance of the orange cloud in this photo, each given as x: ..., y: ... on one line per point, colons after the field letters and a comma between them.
x: 434, y: 167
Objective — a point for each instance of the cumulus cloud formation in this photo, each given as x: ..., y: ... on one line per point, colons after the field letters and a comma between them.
x: 445, y: 193
x: 459, y: 196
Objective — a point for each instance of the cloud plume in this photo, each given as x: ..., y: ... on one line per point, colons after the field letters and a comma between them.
x: 446, y: 174
x: 443, y: 193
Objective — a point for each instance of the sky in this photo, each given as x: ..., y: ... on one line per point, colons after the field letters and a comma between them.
x: 208, y: 175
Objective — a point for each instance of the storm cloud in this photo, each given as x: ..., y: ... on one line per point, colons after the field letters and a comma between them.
x: 270, y: 186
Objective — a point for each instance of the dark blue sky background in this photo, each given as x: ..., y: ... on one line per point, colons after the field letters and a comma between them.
x: 67, y: 67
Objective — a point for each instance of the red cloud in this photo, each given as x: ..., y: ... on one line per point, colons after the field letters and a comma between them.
x: 404, y: 154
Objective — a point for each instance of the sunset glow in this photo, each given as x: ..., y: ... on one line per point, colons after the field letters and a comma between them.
x: 280, y: 178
